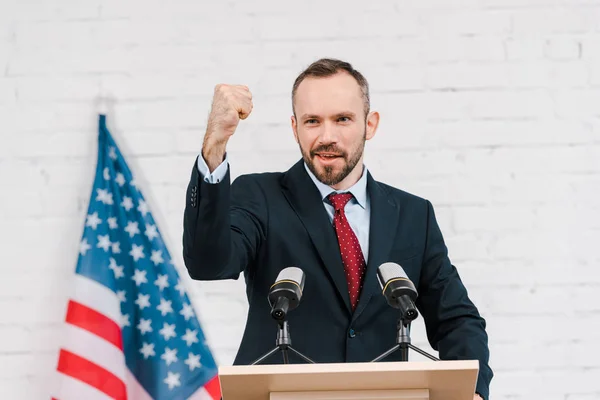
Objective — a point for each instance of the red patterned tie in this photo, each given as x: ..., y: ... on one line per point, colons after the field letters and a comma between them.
x: 352, y: 256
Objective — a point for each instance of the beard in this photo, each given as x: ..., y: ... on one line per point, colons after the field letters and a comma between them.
x: 329, y: 175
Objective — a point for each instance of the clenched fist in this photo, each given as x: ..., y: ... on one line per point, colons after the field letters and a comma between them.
x: 231, y: 103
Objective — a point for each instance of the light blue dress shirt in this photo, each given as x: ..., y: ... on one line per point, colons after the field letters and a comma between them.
x: 358, y: 209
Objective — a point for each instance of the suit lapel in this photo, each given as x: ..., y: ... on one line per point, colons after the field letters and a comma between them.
x: 305, y: 199
x: 382, y: 233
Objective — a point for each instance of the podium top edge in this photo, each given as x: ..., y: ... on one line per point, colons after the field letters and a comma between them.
x: 279, y: 369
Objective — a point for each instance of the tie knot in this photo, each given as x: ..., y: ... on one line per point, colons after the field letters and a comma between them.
x: 339, y: 200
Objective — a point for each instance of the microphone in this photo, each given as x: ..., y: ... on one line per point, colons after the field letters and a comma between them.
x: 286, y: 292
x: 398, y: 290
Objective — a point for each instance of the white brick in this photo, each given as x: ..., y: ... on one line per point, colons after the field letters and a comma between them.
x: 536, y: 354
x: 52, y: 89
x: 512, y: 4
x: 577, y: 103
x: 590, y: 47
x: 562, y: 49
x: 534, y: 299
x: 503, y: 218
x: 477, y: 270
x: 65, y: 10
x: 545, y: 21
x: 377, y: 25
x: 466, y: 76
x: 546, y: 382
x: 444, y: 49
x: 8, y: 92
x: 46, y: 34
x: 524, y: 48
x: 594, y: 70
x: 511, y: 104
x: 467, y: 23
x: 422, y: 106
x: 25, y: 203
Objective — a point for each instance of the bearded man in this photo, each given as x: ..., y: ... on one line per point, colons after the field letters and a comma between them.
x: 328, y: 216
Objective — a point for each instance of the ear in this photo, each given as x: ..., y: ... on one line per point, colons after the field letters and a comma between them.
x: 295, y: 128
x: 372, y: 124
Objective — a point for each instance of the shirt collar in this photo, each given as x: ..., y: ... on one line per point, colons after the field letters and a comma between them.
x: 358, y: 190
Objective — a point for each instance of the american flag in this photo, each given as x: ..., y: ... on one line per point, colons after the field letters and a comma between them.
x: 131, y: 331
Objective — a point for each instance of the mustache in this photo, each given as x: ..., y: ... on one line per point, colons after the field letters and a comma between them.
x: 328, y: 148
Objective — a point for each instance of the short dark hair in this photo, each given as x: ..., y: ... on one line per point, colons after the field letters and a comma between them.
x: 328, y: 67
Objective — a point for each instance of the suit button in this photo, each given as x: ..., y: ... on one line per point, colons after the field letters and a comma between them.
x: 194, y: 189
x: 351, y: 333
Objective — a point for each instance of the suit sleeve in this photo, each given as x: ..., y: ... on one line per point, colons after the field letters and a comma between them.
x: 224, y: 226
x: 454, y: 326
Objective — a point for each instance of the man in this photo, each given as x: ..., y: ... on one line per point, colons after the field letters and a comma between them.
x: 329, y: 217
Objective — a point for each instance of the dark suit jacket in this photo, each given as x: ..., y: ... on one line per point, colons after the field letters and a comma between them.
x: 263, y: 223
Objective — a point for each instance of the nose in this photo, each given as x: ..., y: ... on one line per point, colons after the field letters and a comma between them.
x: 328, y: 133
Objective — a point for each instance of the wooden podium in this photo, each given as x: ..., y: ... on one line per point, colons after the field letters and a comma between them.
x: 442, y: 380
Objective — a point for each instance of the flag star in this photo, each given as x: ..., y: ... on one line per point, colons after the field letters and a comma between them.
x: 180, y: 288
x: 193, y: 361
x: 120, y: 179
x: 127, y: 203
x: 116, y: 248
x: 137, y: 252
x: 117, y: 269
x: 143, y: 207
x: 103, y: 242
x: 112, y: 223
x: 84, y: 246
x: 170, y: 355
x: 121, y: 296
x: 124, y: 320
x: 104, y: 196
x: 187, y: 311
x: 162, y: 282
x: 132, y: 228
x: 168, y: 331
x: 112, y: 153
x: 133, y: 183
x: 190, y: 336
x: 151, y: 231
x: 172, y: 380
x: 144, y: 326
x: 139, y: 277
x: 147, y: 350
x: 93, y: 220
x: 157, y: 257
x: 164, y: 307
x: 143, y: 301
x: 106, y: 173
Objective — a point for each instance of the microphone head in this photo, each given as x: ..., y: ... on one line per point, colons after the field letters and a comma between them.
x: 286, y: 292
x: 397, y: 288
x: 388, y: 271
x: 293, y: 274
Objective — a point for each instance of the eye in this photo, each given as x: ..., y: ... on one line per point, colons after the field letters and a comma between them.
x: 343, y: 119
x: 311, y: 121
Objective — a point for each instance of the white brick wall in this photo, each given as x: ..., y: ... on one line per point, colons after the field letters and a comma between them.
x: 490, y: 109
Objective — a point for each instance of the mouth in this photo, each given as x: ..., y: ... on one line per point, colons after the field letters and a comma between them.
x: 327, y: 157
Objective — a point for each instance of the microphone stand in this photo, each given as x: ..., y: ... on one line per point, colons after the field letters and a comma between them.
x: 283, y: 344
x: 403, y: 343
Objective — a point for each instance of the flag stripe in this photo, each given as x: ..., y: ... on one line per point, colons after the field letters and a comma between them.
x: 86, y: 371
x: 73, y: 389
x: 97, y: 297
x: 213, y: 387
x: 200, y: 394
x: 135, y: 390
x: 95, y: 349
x: 94, y: 322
